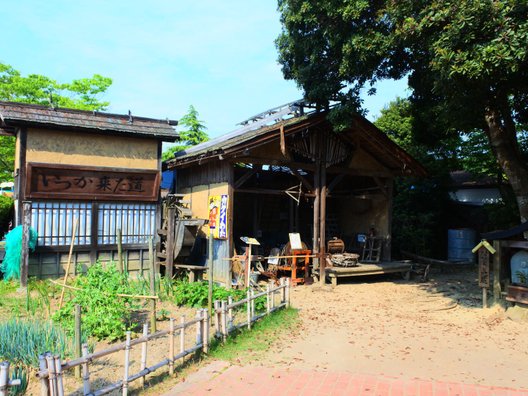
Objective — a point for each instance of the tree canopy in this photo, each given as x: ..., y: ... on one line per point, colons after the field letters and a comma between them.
x: 466, y: 63
x: 191, y: 136
x: 81, y: 94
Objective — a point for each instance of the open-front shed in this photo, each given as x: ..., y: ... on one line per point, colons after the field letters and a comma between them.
x: 295, y: 174
x: 95, y: 172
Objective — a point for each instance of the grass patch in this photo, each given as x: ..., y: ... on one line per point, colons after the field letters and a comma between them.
x: 246, y: 345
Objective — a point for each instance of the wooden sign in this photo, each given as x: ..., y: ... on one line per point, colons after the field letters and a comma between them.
x: 91, y: 183
x: 484, y: 268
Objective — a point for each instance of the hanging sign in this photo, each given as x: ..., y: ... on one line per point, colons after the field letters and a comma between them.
x: 218, y: 216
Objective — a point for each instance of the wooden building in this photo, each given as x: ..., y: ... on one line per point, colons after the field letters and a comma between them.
x: 99, y: 170
x: 295, y: 175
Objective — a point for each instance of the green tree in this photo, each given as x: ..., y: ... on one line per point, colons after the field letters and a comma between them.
x: 193, y: 135
x: 466, y: 61
x: 420, y: 204
x: 82, y: 94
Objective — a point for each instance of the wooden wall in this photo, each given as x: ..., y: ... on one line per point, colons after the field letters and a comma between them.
x: 74, y: 148
x: 53, y: 264
x: 197, y: 184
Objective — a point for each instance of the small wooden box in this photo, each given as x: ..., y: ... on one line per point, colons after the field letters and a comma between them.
x: 517, y: 294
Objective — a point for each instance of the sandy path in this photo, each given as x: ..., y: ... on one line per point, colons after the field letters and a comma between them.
x: 431, y: 331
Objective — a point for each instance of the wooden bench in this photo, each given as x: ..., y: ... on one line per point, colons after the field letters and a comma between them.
x: 195, y: 272
x: 368, y: 269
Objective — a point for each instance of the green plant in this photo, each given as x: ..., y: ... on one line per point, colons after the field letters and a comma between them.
x: 195, y: 294
x: 19, y: 372
x: 105, y: 315
x: 162, y: 314
x: 522, y: 277
x: 23, y: 340
x: 6, y: 212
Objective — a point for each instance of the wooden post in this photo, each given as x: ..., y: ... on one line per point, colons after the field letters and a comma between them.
x: 119, y: 238
x: 24, y: 255
x: 4, y: 379
x: 171, y: 347
x: 78, y: 336
x: 58, y: 370
x: 252, y: 303
x: 205, y: 331
x: 127, y: 363
x: 152, y: 286
x: 199, y: 327
x: 225, y: 330
x: 67, y: 272
x: 268, y: 299
x: 217, y: 318
x: 497, y: 262
x: 248, y: 266
x: 283, y: 291
x: 144, y: 354
x: 182, y: 337
x: 316, y: 211
x: 248, y: 309
x: 51, y: 374
x: 288, y: 292
x: 86, y: 371
x: 44, y: 384
x: 229, y: 314
x: 322, y: 227
x: 210, y: 272
x: 169, y: 262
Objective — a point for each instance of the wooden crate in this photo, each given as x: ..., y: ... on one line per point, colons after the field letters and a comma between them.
x: 517, y: 294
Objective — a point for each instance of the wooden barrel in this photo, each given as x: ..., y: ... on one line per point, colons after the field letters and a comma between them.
x: 335, y: 246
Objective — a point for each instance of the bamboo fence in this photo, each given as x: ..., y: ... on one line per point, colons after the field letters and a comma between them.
x: 52, y: 368
x: 5, y: 381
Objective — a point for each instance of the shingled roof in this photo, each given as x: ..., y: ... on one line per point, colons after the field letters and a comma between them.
x: 14, y: 115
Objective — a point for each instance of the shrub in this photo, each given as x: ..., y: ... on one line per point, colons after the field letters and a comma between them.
x: 195, y: 294
x: 6, y: 213
x: 105, y: 315
x: 22, y: 341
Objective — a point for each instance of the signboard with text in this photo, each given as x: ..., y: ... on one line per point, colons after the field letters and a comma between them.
x: 91, y: 183
x: 218, y: 206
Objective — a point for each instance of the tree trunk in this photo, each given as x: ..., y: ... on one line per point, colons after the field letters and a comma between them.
x: 503, y: 141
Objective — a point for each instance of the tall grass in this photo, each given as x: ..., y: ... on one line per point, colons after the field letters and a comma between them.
x: 22, y: 341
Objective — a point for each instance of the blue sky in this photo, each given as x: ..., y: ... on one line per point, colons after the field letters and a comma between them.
x: 162, y: 55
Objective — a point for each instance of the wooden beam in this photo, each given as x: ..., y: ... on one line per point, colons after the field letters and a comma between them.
x: 267, y: 191
x: 335, y: 182
x: 303, y: 180
x: 312, y: 167
x: 245, y: 177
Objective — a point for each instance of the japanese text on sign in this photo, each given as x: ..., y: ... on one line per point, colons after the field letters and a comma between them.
x: 218, y: 210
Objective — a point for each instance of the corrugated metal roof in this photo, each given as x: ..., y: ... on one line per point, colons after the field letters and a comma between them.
x: 21, y: 114
x: 373, y: 140
x: 233, y: 138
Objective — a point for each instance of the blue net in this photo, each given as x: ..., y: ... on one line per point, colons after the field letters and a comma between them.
x: 10, y: 267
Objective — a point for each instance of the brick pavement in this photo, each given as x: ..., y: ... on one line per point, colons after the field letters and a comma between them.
x: 220, y: 379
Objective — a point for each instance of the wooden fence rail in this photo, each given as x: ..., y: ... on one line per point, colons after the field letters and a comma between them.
x: 52, y: 368
x: 5, y: 381
x: 224, y: 318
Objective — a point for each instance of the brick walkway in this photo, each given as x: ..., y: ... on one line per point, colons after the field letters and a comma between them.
x: 226, y: 380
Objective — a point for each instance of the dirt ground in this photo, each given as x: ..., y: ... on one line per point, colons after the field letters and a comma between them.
x: 387, y: 326
x: 379, y: 326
